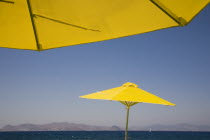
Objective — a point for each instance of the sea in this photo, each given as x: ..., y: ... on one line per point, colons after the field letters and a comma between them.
x: 104, y: 135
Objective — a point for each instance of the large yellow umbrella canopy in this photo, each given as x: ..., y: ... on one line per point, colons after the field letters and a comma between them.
x: 47, y: 24
x: 128, y: 94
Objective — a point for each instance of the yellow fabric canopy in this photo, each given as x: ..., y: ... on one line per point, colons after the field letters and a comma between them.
x: 128, y: 94
x: 47, y: 24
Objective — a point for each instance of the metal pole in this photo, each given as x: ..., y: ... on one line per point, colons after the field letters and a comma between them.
x: 126, y: 128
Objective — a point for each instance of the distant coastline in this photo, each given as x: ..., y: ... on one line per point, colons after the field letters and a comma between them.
x: 65, y: 126
x: 62, y: 126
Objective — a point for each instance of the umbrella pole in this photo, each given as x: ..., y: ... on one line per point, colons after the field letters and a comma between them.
x: 126, y: 128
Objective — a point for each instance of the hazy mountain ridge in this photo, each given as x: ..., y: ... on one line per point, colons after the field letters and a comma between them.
x: 65, y: 126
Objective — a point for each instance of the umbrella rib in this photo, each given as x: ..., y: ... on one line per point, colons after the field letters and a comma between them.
x: 128, y: 103
x: 123, y: 102
x: 181, y: 21
x: 39, y: 48
x: 132, y: 103
x: 55, y: 20
x: 6, y: 1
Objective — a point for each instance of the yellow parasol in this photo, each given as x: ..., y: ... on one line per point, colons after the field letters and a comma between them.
x: 46, y: 24
x: 128, y: 94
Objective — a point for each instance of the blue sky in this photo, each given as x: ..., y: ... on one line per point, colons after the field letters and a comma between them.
x: 174, y: 63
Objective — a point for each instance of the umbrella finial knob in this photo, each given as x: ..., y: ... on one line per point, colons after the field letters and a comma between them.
x: 128, y: 84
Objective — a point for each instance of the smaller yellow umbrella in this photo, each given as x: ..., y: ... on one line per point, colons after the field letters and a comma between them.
x: 128, y: 94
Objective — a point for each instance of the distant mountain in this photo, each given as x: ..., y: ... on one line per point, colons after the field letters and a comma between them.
x: 177, y: 127
x: 64, y: 126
